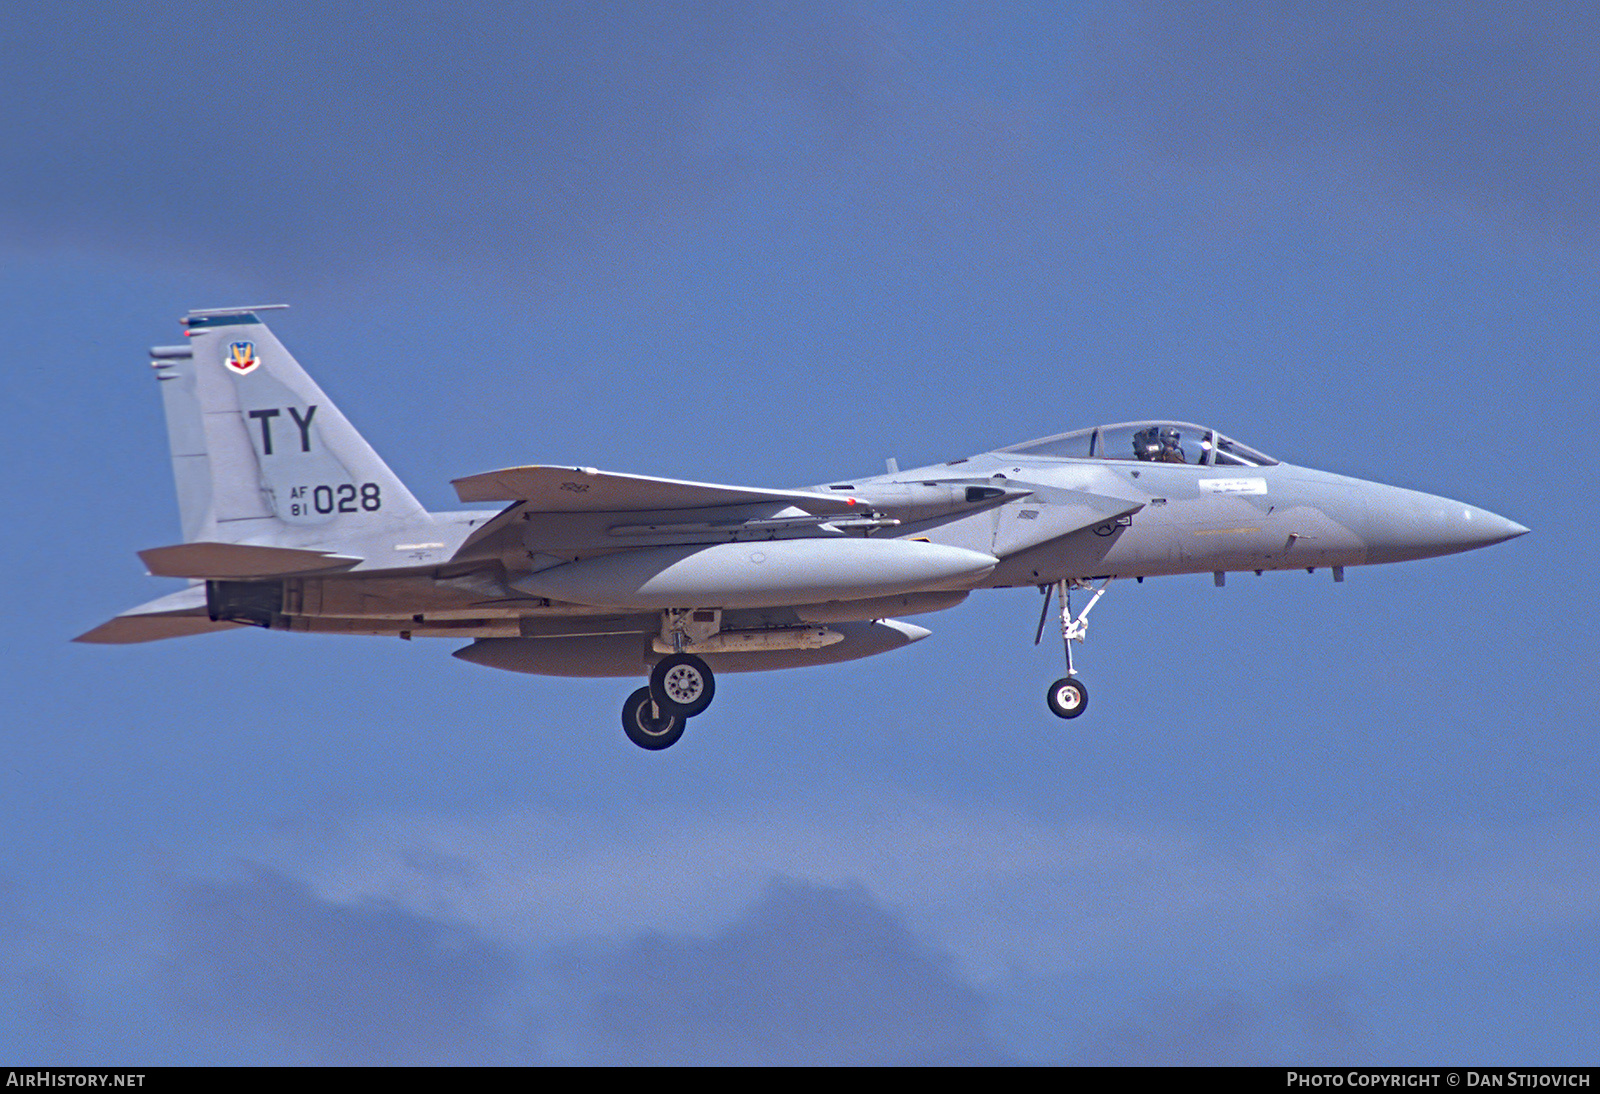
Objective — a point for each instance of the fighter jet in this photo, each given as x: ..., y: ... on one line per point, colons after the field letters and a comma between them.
x: 292, y: 522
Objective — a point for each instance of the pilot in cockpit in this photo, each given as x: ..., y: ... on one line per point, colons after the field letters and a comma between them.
x: 1147, y: 444
x: 1158, y: 444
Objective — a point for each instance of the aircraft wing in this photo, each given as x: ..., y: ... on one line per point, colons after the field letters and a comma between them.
x: 172, y: 616
x: 586, y: 490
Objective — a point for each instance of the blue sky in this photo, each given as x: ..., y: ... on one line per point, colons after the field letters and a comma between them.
x: 1303, y: 822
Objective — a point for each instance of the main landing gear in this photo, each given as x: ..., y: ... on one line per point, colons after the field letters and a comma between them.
x: 1068, y: 697
x: 681, y: 686
x: 683, y: 683
x: 648, y: 724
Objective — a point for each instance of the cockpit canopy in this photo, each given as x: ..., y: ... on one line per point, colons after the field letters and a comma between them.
x: 1150, y: 442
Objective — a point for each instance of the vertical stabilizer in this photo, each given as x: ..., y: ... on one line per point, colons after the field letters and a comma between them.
x: 259, y: 453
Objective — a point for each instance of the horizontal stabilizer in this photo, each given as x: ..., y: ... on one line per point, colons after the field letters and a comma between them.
x: 586, y: 490
x: 174, y: 616
x: 240, y: 560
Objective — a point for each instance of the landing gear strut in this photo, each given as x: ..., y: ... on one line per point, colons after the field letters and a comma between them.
x: 1069, y: 697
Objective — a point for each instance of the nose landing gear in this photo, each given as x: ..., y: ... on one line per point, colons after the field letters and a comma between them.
x: 1069, y: 697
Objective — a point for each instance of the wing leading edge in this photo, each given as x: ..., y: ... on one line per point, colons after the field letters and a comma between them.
x: 543, y: 489
x: 175, y: 615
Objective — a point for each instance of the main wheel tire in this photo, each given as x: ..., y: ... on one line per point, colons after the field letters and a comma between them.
x: 683, y: 684
x: 1068, y: 697
x: 644, y: 728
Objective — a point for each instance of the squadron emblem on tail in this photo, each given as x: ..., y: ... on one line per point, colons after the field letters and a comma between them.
x: 242, y: 358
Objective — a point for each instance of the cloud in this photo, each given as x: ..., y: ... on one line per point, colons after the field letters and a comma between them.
x: 275, y: 139
x: 809, y: 974
x: 346, y: 984
x: 890, y: 931
x: 1484, y: 107
x: 298, y: 136
x: 1003, y: 892
x: 1310, y: 1023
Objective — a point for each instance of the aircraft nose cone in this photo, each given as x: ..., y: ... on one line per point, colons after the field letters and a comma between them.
x: 1510, y: 529
x: 1410, y: 525
x: 1471, y: 527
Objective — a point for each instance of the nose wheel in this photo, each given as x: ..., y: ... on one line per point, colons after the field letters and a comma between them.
x: 1068, y: 697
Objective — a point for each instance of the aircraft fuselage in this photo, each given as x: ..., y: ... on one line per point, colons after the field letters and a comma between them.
x: 1198, y: 519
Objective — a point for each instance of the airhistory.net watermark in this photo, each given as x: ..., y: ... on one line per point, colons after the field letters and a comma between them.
x: 50, y: 1077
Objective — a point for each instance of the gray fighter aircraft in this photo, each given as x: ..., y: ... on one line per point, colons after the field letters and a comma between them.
x: 292, y: 522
